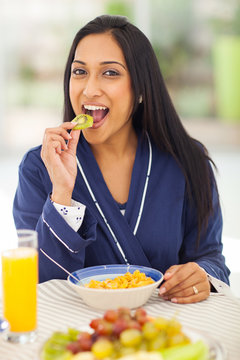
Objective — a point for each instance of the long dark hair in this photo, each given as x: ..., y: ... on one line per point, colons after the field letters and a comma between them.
x: 156, y: 114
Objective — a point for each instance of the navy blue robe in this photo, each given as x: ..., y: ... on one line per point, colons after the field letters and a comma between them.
x: 159, y: 228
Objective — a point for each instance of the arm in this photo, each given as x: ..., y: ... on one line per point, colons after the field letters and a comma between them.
x: 188, y: 282
x: 34, y: 210
x: 208, y: 255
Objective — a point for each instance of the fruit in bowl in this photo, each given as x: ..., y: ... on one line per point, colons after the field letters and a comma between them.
x: 113, y: 286
x: 122, y: 334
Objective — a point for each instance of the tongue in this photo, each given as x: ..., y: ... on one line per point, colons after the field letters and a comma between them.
x: 98, y: 114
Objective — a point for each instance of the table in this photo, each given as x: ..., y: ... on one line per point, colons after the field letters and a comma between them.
x: 60, y: 307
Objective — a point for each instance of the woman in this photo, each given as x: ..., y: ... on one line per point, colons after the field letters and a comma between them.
x: 135, y: 188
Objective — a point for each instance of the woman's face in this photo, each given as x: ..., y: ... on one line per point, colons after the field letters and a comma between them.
x: 100, y: 86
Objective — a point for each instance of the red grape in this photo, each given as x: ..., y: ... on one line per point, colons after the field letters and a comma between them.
x: 74, y: 347
x: 111, y: 315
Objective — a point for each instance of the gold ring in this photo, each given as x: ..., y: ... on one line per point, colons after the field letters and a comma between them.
x: 195, y: 290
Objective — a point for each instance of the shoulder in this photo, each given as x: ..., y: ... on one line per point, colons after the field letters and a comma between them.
x: 32, y: 160
x: 164, y: 159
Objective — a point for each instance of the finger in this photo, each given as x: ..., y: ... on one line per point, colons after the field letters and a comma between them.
x: 189, y: 291
x: 198, y: 277
x: 54, y: 141
x: 52, y: 147
x: 56, y: 131
x: 170, y: 271
x: 200, y: 296
x: 180, y: 274
x: 72, y: 144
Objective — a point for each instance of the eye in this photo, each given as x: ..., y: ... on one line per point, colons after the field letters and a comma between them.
x: 78, y: 71
x: 111, y: 73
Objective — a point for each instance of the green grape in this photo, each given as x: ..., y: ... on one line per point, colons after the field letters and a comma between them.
x: 102, y: 348
x: 52, y: 351
x: 174, y: 327
x: 160, y: 323
x: 149, y: 330
x: 131, y: 337
x: 73, y: 334
x: 127, y: 351
x: 178, y: 339
x: 143, y: 346
x: 158, y: 343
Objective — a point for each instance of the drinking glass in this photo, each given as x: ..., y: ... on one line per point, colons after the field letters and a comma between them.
x: 19, y: 281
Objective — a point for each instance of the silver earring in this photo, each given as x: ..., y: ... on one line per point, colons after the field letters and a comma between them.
x: 140, y: 100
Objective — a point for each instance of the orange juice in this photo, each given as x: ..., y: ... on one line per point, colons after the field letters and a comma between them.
x: 20, y: 277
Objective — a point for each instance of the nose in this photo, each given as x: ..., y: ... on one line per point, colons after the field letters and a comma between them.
x: 92, y: 87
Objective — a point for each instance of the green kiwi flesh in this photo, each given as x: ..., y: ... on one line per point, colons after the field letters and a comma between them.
x: 82, y: 121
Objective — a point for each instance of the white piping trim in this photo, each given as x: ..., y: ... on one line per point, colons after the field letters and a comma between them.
x: 52, y: 231
x: 61, y: 267
x: 141, y: 205
x: 145, y: 186
x: 101, y: 212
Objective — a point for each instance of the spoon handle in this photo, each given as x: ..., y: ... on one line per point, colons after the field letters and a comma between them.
x: 61, y: 267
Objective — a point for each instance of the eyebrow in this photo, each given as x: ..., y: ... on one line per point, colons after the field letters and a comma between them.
x: 101, y: 63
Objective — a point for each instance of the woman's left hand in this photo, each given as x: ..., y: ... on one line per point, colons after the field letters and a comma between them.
x: 185, y: 284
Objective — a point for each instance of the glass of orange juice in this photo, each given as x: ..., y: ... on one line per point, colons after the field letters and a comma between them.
x: 19, y: 281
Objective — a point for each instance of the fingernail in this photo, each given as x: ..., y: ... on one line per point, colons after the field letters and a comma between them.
x: 162, y: 290
x: 174, y: 300
x: 167, y: 274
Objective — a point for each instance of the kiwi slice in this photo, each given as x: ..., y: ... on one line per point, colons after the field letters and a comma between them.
x: 82, y: 121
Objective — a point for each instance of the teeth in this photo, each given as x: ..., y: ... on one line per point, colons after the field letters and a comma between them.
x: 93, y: 107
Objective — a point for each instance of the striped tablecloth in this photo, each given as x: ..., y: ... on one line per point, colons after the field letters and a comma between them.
x: 59, y: 307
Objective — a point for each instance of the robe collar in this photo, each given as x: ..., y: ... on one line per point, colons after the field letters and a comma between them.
x: 121, y: 229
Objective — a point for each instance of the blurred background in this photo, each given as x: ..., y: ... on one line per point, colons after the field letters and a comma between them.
x: 198, y: 47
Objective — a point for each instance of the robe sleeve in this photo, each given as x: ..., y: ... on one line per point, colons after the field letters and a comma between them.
x: 33, y: 209
x: 208, y: 254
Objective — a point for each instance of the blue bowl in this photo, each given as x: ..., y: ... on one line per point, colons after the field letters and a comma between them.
x: 105, y: 299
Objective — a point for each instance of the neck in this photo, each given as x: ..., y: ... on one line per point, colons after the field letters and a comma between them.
x: 117, y: 148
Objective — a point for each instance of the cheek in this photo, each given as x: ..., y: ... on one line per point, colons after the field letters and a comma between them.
x: 73, y: 94
x: 71, y: 90
x: 124, y: 97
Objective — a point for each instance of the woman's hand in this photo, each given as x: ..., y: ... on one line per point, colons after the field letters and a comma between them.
x: 59, y: 156
x: 185, y: 284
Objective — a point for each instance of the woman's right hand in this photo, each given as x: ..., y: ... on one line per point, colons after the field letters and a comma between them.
x: 59, y: 158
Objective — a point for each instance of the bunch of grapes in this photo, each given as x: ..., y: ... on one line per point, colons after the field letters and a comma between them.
x: 120, y: 332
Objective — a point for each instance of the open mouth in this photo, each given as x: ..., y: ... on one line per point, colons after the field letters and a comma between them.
x: 97, y: 112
